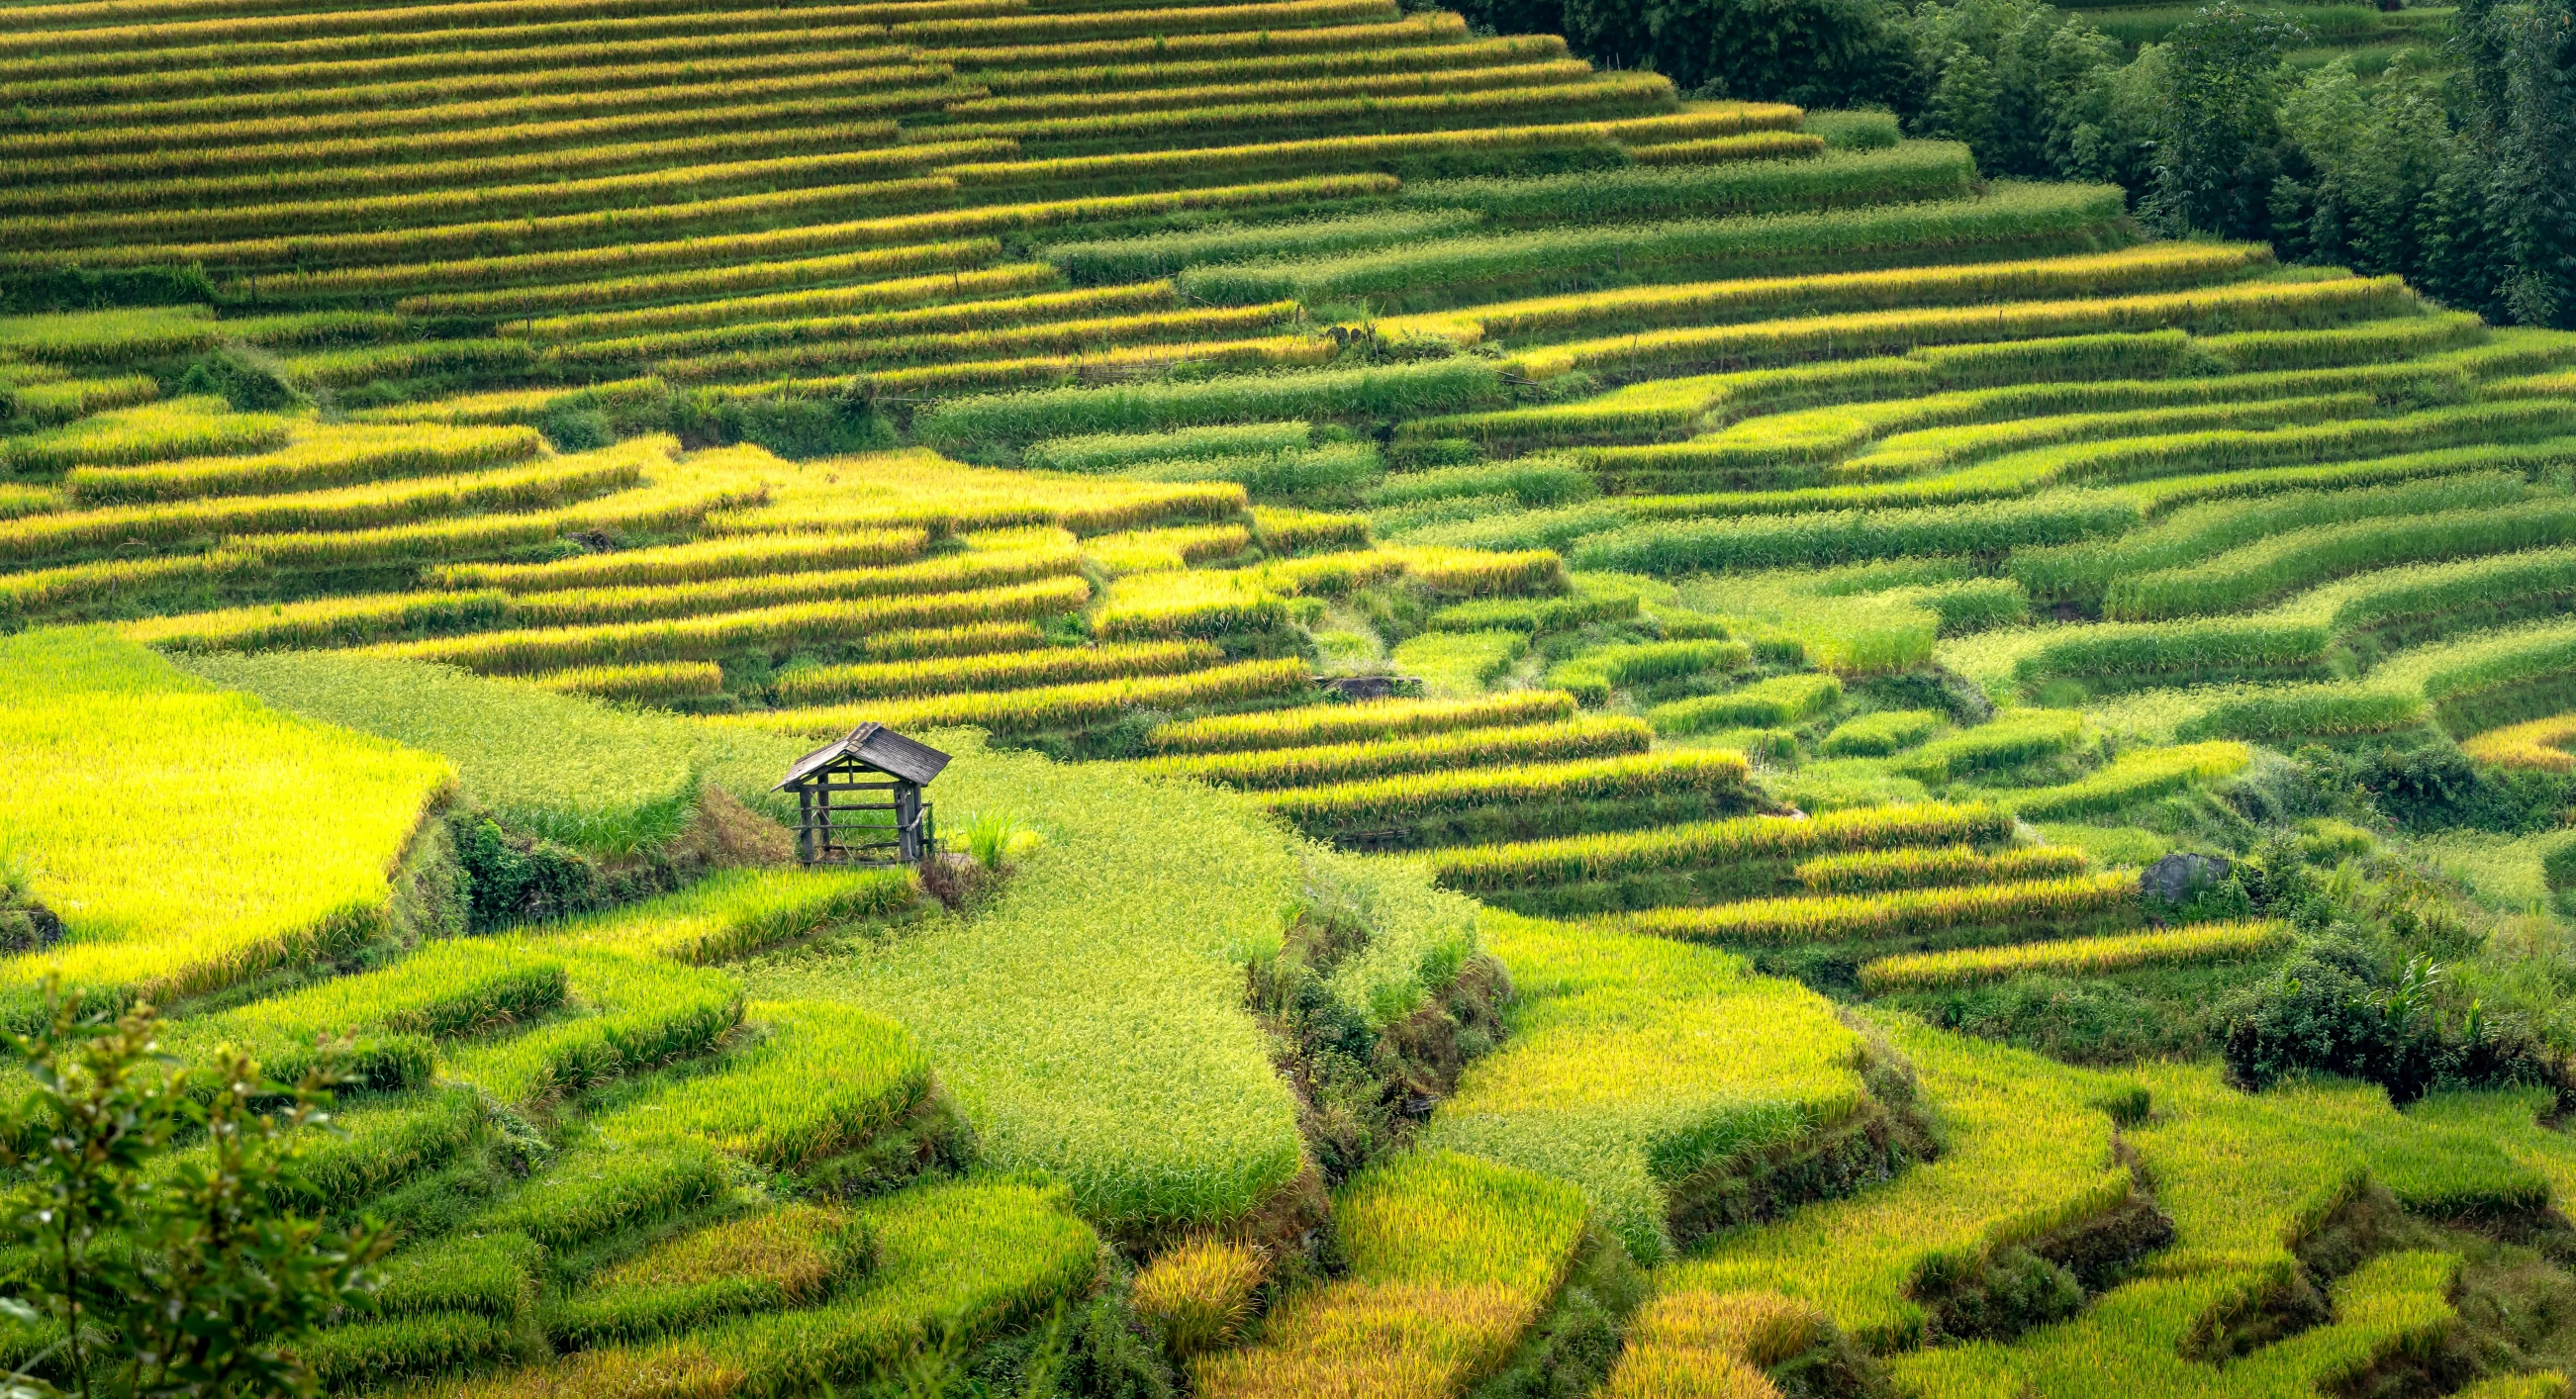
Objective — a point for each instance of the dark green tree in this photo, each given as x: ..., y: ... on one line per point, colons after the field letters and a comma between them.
x: 2218, y: 147
x: 2518, y: 63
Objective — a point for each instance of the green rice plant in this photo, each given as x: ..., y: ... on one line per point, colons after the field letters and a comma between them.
x: 1452, y: 1258
x: 1163, y: 254
x: 1775, y: 703
x: 972, y: 639
x: 1412, y: 51
x: 126, y: 335
x: 1924, y: 867
x: 1458, y: 748
x: 1292, y: 92
x: 783, y: 1257
x: 346, y: 1356
x: 2118, y: 654
x: 2145, y: 268
x: 1335, y: 470
x: 1445, y: 270
x: 522, y: 488
x: 737, y: 912
x: 825, y: 1080
x: 986, y: 328
x: 2029, y: 1153
x: 341, y: 621
x: 35, y: 591
x: 1875, y: 735
x: 900, y: 232
x: 1021, y: 28
x: 485, y: 196
x: 1407, y: 32
x: 2170, y: 493
x: 1591, y: 675
x: 486, y: 1275
x: 1390, y: 391
x: 349, y: 368
x: 1319, y: 725
x: 567, y: 767
x: 1452, y: 665
x: 962, y: 1262
x: 338, y: 456
x: 1740, y: 1065
x: 1525, y: 480
x: 1002, y: 671
x: 2084, y: 572
x: 601, y: 1188
x: 1534, y: 615
x: 1395, y: 801
x: 1152, y: 168
x: 2285, y: 714
x: 2132, y: 777
x: 63, y: 400
x: 947, y: 574
x: 1919, y: 170
x: 152, y: 432
x: 2359, y: 344
x: 1903, y: 913
x: 1054, y: 707
x: 2254, y: 573
x: 1827, y: 537
x: 1893, y: 332
x: 653, y: 682
x: 721, y: 634
x: 111, y: 747
x: 787, y: 308
x: 2013, y: 737
x: 1118, y: 451
x: 1197, y: 1296
x: 1569, y: 90
x: 638, y: 1013
x: 2200, y: 942
x: 1019, y: 1006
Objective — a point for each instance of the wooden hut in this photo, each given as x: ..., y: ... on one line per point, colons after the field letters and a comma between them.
x: 872, y: 761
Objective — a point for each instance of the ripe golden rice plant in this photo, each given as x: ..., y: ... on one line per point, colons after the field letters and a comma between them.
x: 715, y: 281
x: 509, y: 489
x: 1446, y: 751
x: 2540, y: 743
x: 2134, y: 776
x: 1601, y: 95
x: 793, y: 305
x: 1194, y: 603
x: 1904, y: 913
x: 1131, y: 95
x: 1393, y: 800
x: 1749, y: 838
x: 317, y: 458
x: 730, y: 556
x: 705, y: 638
x: 947, y: 574
x: 1316, y: 725
x: 1920, y: 867
x: 1054, y: 707
x: 152, y: 432
x: 750, y: 332
x: 1434, y: 27
x: 1010, y: 670
x: 2098, y: 956
x: 1198, y: 1294
x: 31, y: 592
x: 1713, y: 150
x: 1153, y: 550
x: 571, y: 265
x: 1148, y: 73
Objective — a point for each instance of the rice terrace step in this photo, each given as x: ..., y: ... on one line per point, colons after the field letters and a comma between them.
x: 1288, y: 700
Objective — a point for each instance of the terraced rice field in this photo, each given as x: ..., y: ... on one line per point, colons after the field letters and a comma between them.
x: 1350, y: 469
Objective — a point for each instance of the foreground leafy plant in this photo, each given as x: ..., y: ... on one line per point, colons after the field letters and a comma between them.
x: 194, y: 1279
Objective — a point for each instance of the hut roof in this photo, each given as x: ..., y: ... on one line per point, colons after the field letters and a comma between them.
x: 876, y: 746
